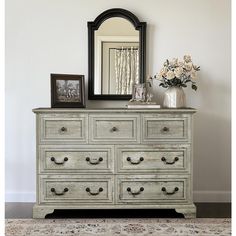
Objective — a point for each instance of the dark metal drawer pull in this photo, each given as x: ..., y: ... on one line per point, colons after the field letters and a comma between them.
x: 135, y: 163
x: 114, y: 129
x: 61, y: 193
x: 63, y: 129
x: 59, y: 163
x: 166, y: 129
x: 170, y: 193
x: 89, y: 191
x: 169, y: 162
x: 135, y: 193
x: 100, y: 159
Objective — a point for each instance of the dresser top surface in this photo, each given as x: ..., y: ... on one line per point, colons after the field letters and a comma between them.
x: 120, y: 110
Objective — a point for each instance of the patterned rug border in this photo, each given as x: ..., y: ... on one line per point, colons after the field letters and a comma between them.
x: 119, y: 226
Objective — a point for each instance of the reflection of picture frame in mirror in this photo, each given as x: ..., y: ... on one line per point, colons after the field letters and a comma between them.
x: 139, y: 93
x: 67, y: 91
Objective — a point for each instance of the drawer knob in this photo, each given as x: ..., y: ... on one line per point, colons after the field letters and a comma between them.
x: 176, y: 189
x: 114, y: 129
x: 135, y: 162
x: 166, y: 129
x: 58, y: 162
x: 135, y: 193
x: 100, y: 159
x: 63, y: 129
x: 53, y: 190
x: 169, y: 162
x: 94, y: 193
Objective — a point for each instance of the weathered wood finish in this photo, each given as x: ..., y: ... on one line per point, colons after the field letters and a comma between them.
x: 80, y: 159
x: 113, y: 129
x: 69, y: 128
x: 114, y: 159
x: 76, y: 186
x: 156, y: 158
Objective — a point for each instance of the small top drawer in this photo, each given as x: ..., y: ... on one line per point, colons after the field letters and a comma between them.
x: 113, y: 129
x: 156, y: 128
x: 63, y: 128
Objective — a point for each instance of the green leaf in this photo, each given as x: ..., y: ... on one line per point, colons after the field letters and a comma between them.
x: 194, y: 87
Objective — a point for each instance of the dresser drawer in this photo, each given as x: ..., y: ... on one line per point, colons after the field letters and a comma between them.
x: 144, y: 190
x: 63, y: 128
x: 75, y: 190
x: 114, y: 129
x: 82, y: 159
x: 165, y: 128
x: 155, y: 158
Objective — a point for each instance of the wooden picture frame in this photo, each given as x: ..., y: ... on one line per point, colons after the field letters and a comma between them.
x: 67, y: 91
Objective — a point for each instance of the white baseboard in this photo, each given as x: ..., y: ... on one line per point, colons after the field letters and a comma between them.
x: 211, y: 196
x: 198, y: 196
x: 20, y: 197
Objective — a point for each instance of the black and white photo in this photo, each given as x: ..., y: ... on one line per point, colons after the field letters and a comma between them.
x: 67, y: 90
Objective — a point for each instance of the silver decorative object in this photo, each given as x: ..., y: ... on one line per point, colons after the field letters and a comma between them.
x: 174, y: 97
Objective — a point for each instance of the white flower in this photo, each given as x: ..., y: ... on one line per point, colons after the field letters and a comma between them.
x: 162, y: 73
x: 178, y: 72
x: 174, y: 62
x: 187, y: 58
x: 170, y: 75
x: 188, y: 66
x: 193, y: 74
x: 158, y: 76
x: 180, y: 63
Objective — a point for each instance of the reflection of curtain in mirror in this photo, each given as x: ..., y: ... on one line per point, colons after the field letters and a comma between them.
x: 126, y: 69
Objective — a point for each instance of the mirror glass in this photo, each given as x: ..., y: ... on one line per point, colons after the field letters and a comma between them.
x: 116, y: 57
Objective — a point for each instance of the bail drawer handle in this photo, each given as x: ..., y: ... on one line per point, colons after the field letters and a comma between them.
x: 135, y: 193
x: 169, y: 162
x: 53, y: 190
x: 94, y: 193
x: 133, y: 162
x: 57, y: 162
x: 100, y: 159
x: 176, y: 189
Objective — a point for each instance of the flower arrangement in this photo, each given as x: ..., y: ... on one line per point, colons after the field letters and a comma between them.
x: 178, y: 73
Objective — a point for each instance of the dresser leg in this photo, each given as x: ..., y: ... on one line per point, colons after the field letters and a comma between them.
x: 188, y: 211
x: 39, y: 212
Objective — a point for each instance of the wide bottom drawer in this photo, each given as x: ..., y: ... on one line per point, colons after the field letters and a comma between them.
x: 135, y: 190
x: 79, y: 189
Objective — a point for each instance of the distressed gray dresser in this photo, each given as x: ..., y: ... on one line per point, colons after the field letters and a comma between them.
x: 114, y: 159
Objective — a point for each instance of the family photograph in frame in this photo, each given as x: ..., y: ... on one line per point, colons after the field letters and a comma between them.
x: 67, y: 91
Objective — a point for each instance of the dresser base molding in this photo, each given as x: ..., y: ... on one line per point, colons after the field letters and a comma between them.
x: 40, y: 211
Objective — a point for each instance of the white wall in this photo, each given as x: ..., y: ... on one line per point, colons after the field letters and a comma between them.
x: 44, y: 37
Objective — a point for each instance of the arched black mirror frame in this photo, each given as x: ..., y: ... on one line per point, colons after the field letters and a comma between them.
x: 94, y: 25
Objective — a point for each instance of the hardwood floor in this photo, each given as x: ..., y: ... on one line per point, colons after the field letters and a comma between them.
x: 17, y: 210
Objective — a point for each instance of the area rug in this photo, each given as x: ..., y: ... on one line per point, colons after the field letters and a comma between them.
x: 121, y: 227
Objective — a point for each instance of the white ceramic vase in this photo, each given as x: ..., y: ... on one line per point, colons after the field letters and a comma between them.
x: 174, y: 97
